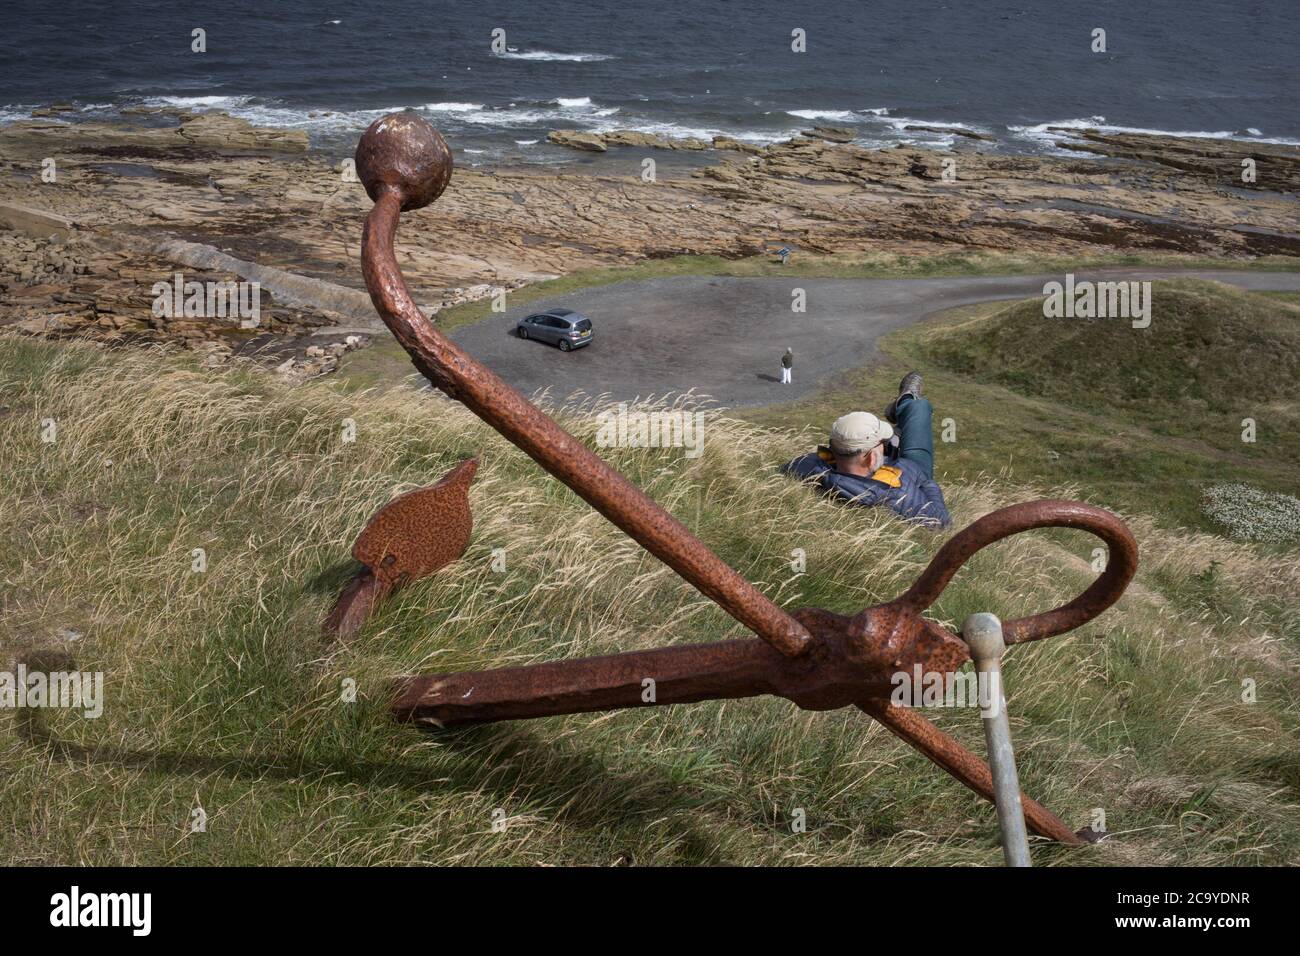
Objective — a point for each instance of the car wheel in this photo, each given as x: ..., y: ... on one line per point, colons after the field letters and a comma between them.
x: 564, y: 345
x: 521, y: 332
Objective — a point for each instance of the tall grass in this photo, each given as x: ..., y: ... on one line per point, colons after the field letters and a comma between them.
x: 222, y: 696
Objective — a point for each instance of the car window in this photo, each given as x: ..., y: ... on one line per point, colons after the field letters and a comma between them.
x: 582, y: 325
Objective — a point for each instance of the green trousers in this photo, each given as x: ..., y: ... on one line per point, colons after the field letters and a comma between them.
x: 914, y: 430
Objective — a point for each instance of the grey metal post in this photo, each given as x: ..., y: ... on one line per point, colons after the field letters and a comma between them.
x: 983, y: 635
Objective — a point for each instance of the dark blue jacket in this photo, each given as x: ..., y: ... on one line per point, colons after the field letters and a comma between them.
x: 900, y: 483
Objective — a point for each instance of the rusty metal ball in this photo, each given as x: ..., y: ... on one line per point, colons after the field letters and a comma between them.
x: 402, y: 150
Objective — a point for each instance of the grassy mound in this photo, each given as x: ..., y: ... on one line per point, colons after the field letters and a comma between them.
x: 219, y: 694
x: 1212, y: 356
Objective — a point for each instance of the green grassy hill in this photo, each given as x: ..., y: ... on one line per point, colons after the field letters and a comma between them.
x: 220, y: 694
x: 1212, y: 356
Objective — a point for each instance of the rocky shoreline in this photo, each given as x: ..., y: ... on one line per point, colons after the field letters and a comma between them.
x: 113, y: 194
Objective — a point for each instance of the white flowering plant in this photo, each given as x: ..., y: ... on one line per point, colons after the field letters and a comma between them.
x: 1251, y: 514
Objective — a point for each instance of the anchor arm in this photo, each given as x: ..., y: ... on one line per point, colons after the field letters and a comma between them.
x: 669, y: 675
x: 852, y: 659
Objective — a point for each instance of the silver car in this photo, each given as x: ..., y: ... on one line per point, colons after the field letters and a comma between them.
x: 561, y: 327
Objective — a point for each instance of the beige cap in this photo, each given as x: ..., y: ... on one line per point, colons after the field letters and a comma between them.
x: 859, y: 431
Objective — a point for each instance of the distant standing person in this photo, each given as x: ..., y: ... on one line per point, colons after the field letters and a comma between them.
x: 787, y: 366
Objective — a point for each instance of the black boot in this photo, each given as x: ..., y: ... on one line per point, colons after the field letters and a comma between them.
x: 910, y: 385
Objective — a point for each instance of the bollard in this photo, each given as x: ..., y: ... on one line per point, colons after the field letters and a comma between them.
x: 983, y: 635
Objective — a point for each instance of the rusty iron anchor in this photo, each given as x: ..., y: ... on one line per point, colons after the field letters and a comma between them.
x: 815, y: 658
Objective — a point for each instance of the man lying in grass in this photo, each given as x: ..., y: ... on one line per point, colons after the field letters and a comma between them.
x: 865, y: 465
